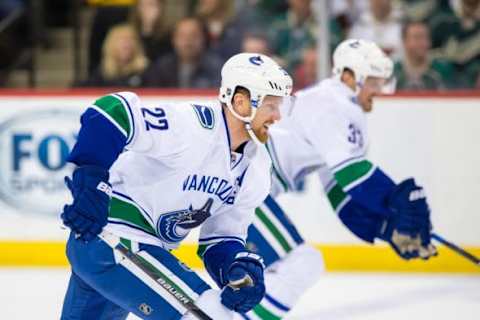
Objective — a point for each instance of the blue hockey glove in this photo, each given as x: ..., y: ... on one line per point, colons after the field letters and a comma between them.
x: 87, y: 215
x: 245, y: 287
x: 408, y: 228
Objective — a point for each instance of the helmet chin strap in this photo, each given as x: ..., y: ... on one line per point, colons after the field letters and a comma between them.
x: 252, y: 134
x: 247, y: 120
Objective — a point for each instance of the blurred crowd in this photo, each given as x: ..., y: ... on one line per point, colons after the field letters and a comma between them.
x: 151, y: 43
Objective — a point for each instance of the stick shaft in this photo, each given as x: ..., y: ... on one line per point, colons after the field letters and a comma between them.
x: 457, y: 249
x: 148, y: 270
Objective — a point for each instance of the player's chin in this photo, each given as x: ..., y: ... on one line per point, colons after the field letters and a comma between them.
x: 368, y: 106
x: 262, y: 134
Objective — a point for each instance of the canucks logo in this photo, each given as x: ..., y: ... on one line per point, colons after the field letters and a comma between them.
x: 174, y: 226
x: 256, y: 60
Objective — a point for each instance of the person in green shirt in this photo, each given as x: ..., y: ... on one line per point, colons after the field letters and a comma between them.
x: 417, y: 70
x: 456, y: 37
x: 291, y: 33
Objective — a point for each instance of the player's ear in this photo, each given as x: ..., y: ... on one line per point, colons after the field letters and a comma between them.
x: 240, y: 103
x: 348, y: 77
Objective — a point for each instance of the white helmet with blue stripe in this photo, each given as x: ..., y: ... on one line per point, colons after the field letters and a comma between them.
x: 365, y: 59
x: 257, y: 73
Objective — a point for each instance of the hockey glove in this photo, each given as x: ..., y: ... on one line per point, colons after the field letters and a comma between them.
x: 245, y: 288
x: 87, y: 215
x: 408, y: 228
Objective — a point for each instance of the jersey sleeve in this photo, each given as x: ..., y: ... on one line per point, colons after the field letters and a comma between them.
x: 221, y: 238
x: 328, y: 134
x: 230, y: 225
x: 108, y: 126
x: 119, y: 121
x: 357, y: 189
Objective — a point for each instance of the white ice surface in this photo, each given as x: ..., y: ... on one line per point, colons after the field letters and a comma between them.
x: 37, y: 294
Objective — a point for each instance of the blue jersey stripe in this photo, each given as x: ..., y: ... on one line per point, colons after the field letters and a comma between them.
x: 276, y: 303
x: 221, y: 238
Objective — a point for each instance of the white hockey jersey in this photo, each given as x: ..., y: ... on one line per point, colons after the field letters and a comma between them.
x: 178, y: 172
x: 325, y: 130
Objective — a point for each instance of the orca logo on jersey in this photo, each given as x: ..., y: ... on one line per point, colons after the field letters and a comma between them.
x: 174, y: 226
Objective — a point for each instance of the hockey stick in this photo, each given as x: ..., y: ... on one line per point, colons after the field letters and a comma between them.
x: 114, y: 242
x: 457, y: 249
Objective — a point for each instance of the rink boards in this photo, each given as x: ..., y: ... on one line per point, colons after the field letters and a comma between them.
x: 431, y: 137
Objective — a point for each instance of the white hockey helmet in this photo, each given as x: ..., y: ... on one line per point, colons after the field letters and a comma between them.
x: 365, y: 59
x: 257, y: 73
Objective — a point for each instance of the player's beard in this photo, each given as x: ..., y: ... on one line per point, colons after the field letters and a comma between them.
x: 260, y: 132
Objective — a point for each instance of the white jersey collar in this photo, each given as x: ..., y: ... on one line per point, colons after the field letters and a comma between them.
x: 343, y: 89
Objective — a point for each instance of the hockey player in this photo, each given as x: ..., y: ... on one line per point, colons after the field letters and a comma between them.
x: 150, y: 174
x: 325, y: 133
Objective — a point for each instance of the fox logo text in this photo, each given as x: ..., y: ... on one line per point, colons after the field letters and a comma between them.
x: 34, y: 148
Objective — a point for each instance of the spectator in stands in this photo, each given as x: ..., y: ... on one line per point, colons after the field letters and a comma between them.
x: 306, y: 72
x: 191, y: 65
x: 424, y: 10
x: 224, y: 33
x: 123, y: 60
x: 417, y: 71
x: 148, y: 17
x: 297, y: 30
x: 254, y: 15
x: 256, y: 42
x: 381, y: 24
x: 104, y: 18
x: 347, y: 12
x: 455, y: 37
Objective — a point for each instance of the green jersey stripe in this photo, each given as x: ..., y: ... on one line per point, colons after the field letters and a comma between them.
x: 279, y: 178
x: 276, y: 172
x: 127, y: 243
x: 265, y: 314
x: 271, y: 227
x: 125, y: 211
x: 336, y: 195
x: 352, y: 173
x: 201, y: 250
x: 116, y: 110
x: 279, y: 225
